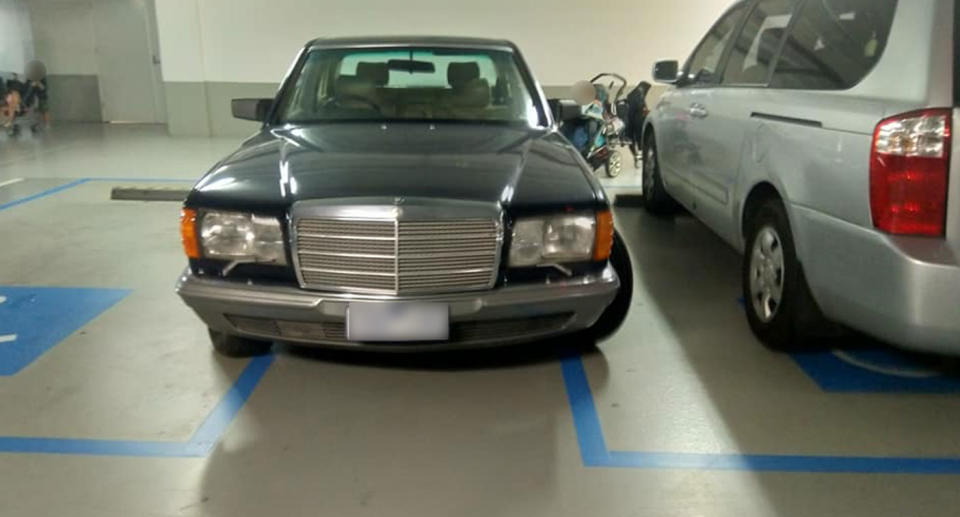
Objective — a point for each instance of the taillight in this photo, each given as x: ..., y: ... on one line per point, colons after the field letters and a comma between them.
x: 909, y: 167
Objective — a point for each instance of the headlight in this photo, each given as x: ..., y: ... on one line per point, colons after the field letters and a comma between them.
x: 552, y: 240
x: 238, y: 236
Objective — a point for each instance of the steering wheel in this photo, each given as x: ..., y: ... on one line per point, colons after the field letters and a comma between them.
x: 340, y: 98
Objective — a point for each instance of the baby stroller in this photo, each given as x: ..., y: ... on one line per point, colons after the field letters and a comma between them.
x: 599, y: 134
x: 27, y: 114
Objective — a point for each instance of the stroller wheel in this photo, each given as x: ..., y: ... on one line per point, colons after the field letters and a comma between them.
x: 614, y: 165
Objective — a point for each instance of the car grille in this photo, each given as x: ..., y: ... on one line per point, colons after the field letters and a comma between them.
x: 397, y: 256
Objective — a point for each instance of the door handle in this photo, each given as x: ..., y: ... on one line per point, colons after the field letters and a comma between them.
x: 698, y: 111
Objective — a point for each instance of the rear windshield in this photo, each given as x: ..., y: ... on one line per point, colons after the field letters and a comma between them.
x: 834, y: 44
x: 434, y: 84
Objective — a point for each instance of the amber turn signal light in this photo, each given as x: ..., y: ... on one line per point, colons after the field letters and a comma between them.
x: 604, y: 239
x: 188, y: 233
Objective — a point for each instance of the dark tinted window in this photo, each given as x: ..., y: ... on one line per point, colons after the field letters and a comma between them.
x: 834, y: 44
x: 703, y: 64
x: 756, y: 46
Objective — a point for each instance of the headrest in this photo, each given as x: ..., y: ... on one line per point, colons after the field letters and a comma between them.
x: 459, y: 74
x: 769, y: 43
x: 353, y: 86
x: 377, y: 73
x: 474, y: 94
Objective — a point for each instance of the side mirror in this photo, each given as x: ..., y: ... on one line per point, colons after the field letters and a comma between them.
x: 564, y: 110
x: 666, y: 72
x: 251, y: 109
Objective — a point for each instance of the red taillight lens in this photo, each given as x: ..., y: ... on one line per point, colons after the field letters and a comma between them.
x: 909, y: 167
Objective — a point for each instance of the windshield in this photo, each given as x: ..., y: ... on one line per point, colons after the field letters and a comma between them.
x: 436, y: 84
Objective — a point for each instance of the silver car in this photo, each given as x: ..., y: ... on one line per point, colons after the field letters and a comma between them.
x: 815, y: 137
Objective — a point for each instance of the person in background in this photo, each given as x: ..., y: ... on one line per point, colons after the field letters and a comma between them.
x: 35, y: 94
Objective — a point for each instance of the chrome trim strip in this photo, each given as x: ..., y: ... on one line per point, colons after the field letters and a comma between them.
x: 347, y: 255
x: 396, y: 255
x: 346, y: 272
x: 346, y: 237
x: 416, y: 274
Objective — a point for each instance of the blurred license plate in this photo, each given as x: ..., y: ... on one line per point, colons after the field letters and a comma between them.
x: 398, y: 322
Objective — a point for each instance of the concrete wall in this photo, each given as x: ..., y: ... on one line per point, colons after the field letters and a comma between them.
x: 64, y: 40
x: 216, y: 49
x: 16, y: 41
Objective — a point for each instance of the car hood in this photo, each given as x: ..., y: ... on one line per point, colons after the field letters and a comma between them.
x: 523, y: 168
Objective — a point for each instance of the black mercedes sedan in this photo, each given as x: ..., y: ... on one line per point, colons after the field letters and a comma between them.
x: 403, y: 194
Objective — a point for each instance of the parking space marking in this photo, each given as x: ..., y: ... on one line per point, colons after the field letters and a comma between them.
x: 81, y: 181
x: 10, y: 182
x: 200, y: 444
x: 6, y: 338
x: 594, y: 451
x: 39, y: 318
x: 45, y: 193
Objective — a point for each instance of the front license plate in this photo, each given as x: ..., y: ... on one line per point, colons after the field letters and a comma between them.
x: 398, y: 322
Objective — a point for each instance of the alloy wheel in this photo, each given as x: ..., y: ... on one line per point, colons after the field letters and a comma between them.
x: 766, y: 273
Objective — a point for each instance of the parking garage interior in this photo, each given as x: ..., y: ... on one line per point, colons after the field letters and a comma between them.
x: 114, y: 403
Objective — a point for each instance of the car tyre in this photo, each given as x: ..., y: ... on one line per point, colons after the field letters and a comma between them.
x: 615, y: 314
x: 236, y: 346
x: 780, y: 308
x: 654, y: 196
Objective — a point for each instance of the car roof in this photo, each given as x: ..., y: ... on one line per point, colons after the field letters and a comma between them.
x: 419, y: 41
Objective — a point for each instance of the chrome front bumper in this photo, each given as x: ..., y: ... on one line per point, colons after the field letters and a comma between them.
x: 496, y: 317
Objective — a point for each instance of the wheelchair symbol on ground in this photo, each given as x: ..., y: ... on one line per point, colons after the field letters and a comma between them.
x: 6, y: 338
x: 35, y: 319
x: 877, y: 370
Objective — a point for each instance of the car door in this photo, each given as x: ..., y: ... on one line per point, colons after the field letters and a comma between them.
x: 721, y: 116
x: 672, y: 114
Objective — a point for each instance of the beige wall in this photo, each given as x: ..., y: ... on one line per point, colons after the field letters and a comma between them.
x: 16, y: 41
x: 564, y: 40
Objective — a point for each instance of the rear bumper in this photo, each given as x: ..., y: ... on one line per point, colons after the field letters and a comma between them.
x: 478, y: 319
x: 905, y: 291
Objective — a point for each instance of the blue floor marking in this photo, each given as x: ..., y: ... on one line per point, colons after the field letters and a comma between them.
x: 204, y: 439
x: 81, y: 181
x: 45, y: 193
x: 200, y: 444
x: 871, y: 370
x: 35, y: 319
x: 594, y: 452
x: 877, y: 370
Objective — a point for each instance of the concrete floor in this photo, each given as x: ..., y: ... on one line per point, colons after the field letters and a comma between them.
x: 681, y: 413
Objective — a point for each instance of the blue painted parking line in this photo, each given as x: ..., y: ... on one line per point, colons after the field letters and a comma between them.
x: 34, y: 319
x: 203, y: 441
x: 81, y: 181
x: 45, y: 193
x: 594, y: 452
